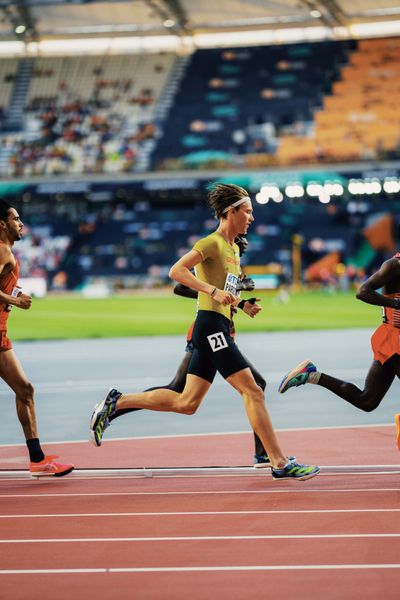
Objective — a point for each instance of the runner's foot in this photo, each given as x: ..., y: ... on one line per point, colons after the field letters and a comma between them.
x: 298, y: 376
x: 48, y: 467
x: 293, y: 470
x: 101, y: 414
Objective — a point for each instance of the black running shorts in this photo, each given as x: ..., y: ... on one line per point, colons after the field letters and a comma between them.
x: 214, y: 349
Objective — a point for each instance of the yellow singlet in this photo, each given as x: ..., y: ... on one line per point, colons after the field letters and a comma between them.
x: 220, y: 267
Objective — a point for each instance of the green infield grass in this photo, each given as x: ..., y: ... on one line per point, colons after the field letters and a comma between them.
x: 162, y: 313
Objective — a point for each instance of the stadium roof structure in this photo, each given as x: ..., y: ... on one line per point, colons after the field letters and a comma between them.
x: 188, y: 24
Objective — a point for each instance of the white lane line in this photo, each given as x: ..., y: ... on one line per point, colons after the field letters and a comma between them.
x: 204, y: 493
x: 197, y: 472
x: 201, y: 538
x: 210, y: 512
x: 162, y: 477
x: 197, y: 569
x: 217, y: 469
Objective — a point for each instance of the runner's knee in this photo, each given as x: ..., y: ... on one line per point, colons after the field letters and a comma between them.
x: 370, y: 403
x: 260, y: 381
x: 369, y: 400
x: 25, y: 392
x: 188, y: 406
x: 253, y: 395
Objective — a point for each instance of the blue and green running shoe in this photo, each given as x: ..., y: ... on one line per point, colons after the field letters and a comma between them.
x: 262, y: 460
x: 298, y: 376
x: 293, y: 470
x: 101, y: 414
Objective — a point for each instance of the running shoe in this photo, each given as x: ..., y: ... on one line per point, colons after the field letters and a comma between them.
x: 293, y: 470
x: 100, y: 417
x: 49, y: 468
x: 397, y: 421
x: 298, y: 376
x: 262, y: 460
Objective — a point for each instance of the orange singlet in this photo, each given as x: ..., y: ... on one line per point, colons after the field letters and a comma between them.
x: 385, y: 341
x: 8, y: 281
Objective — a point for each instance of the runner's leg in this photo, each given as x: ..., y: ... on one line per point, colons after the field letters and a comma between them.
x: 177, y: 385
x: 259, y: 449
x: 378, y: 381
x: 13, y: 374
x: 167, y: 400
x: 253, y: 397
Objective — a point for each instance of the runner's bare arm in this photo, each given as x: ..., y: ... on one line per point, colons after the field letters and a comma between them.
x: 181, y: 272
x: 387, y: 274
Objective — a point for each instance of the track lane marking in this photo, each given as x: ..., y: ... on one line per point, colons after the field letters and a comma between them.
x: 203, y: 492
x: 203, y: 538
x: 191, y: 513
x: 203, y: 569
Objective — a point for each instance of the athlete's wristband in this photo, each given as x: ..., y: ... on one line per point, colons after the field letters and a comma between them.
x: 213, y: 292
x: 242, y: 302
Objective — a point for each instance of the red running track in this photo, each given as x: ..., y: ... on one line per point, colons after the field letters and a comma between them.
x: 113, y: 534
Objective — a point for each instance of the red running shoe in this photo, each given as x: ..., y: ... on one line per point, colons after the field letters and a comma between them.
x: 47, y: 467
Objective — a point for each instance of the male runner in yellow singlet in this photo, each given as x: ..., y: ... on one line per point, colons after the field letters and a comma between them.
x: 177, y: 384
x: 216, y: 261
x: 385, y: 346
x: 10, y: 369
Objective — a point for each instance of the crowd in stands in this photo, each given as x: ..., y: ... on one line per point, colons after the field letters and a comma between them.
x: 251, y: 107
x: 86, y: 124
x: 48, y: 230
x: 78, y: 137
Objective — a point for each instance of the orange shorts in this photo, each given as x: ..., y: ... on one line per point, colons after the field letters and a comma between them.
x: 385, y: 342
x: 5, y: 342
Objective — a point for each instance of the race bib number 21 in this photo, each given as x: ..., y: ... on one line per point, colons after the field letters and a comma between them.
x: 217, y: 341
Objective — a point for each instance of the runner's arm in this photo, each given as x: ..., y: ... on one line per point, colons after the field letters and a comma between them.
x: 181, y: 272
x: 22, y: 300
x: 368, y: 290
x: 186, y: 292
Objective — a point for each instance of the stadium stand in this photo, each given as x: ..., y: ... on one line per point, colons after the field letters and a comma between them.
x: 86, y: 114
x: 253, y: 107
x: 245, y: 101
x: 359, y: 120
x: 224, y: 108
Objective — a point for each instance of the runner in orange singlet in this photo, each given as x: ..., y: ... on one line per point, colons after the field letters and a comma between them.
x: 10, y: 369
x: 385, y: 344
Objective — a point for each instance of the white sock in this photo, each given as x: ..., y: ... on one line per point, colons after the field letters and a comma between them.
x: 314, y: 377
